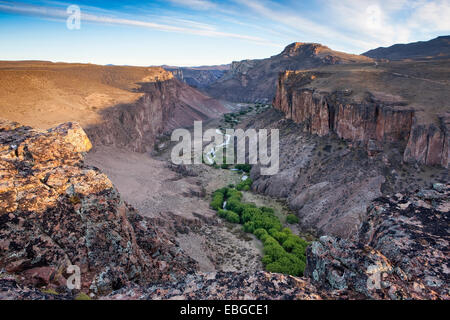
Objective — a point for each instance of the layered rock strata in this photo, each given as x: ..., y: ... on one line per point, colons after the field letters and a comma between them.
x: 371, y: 123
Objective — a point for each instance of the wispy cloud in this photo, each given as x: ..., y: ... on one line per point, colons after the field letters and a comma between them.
x: 299, y: 24
x: 189, y: 27
x: 195, y: 4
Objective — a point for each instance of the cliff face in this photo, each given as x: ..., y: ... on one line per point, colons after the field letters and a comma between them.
x: 255, y: 80
x: 369, y: 122
x: 165, y: 105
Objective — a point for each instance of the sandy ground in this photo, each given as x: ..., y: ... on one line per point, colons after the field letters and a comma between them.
x: 149, y: 185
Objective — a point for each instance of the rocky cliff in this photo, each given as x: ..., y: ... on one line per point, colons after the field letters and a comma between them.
x: 56, y: 212
x: 255, y: 80
x: 373, y: 121
x: 164, y: 106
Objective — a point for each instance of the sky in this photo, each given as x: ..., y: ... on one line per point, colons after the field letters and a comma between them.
x: 208, y: 32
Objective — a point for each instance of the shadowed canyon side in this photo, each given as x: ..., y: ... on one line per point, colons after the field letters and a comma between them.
x: 198, y: 77
x: 126, y: 107
x: 255, y: 80
x: 165, y: 106
x: 325, y: 102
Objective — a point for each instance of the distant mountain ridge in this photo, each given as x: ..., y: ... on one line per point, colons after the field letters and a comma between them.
x: 438, y: 48
x: 255, y: 80
x: 198, y: 77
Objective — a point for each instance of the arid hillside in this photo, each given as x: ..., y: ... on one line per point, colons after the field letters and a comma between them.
x: 438, y: 48
x: 42, y: 94
x: 125, y: 106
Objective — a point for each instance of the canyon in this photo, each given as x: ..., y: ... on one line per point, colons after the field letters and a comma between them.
x: 86, y: 178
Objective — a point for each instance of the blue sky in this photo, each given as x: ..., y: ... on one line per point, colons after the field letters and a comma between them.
x: 207, y: 32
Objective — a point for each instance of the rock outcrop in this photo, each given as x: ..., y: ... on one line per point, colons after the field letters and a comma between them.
x: 225, y: 286
x: 56, y: 212
x: 400, y: 252
x: 371, y: 122
x: 255, y: 80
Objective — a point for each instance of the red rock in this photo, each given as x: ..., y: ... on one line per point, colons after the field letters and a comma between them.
x: 324, y: 113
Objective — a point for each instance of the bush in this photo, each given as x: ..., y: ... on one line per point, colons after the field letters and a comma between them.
x: 249, y: 214
x: 244, y: 185
x: 217, y: 201
x: 249, y: 227
x: 267, y: 210
x: 228, y: 215
x: 233, y: 194
x: 232, y: 217
x: 292, y: 219
x: 235, y: 205
x: 260, y: 233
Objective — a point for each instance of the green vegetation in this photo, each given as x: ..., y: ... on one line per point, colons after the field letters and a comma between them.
x: 284, y: 252
x: 217, y: 200
x: 230, y: 216
x: 292, y: 219
x: 244, y: 185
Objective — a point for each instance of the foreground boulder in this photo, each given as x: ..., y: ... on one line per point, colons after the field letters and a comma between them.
x: 56, y: 212
x: 400, y: 252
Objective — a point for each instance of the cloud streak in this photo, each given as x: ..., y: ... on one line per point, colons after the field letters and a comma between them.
x: 198, y: 30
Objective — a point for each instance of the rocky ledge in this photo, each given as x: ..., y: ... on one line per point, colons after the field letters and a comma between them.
x: 400, y: 252
x: 56, y: 212
x: 224, y: 286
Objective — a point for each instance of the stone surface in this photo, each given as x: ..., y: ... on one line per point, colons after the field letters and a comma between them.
x: 56, y: 212
x: 400, y: 252
x: 224, y: 286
